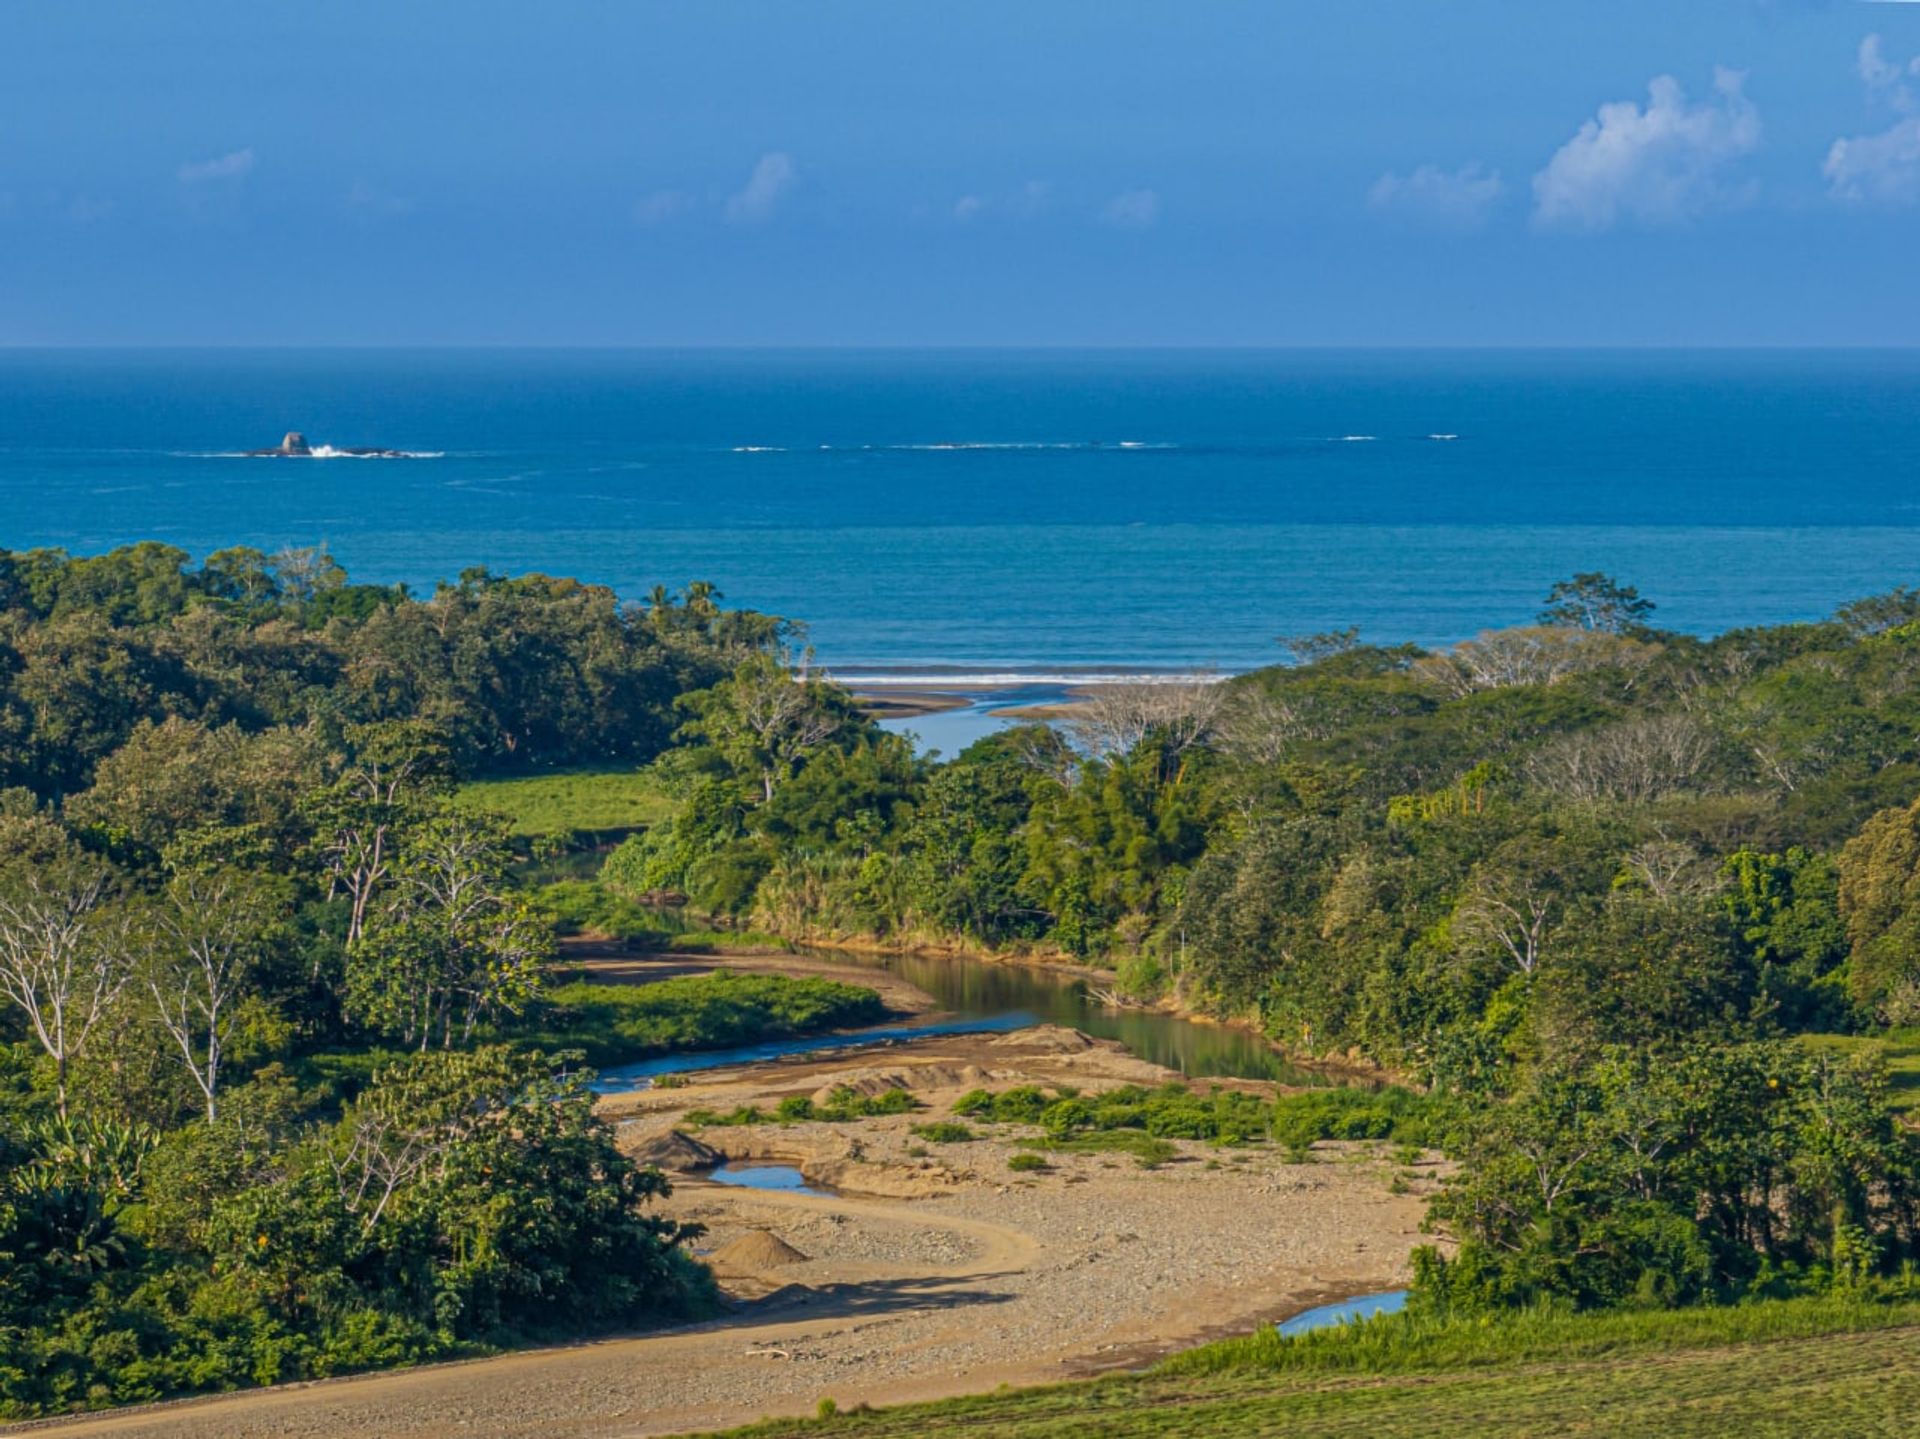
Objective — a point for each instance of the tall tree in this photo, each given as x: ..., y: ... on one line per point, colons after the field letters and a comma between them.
x: 1596, y: 601
x: 63, y: 959
x: 450, y: 943
x: 203, y: 944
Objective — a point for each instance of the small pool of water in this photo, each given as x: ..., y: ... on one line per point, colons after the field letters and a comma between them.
x: 752, y: 1174
x: 1346, y: 1311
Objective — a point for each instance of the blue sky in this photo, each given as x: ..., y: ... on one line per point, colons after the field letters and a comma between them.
x: 896, y: 172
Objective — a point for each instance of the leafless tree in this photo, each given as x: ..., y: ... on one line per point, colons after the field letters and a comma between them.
x: 1262, y: 726
x: 1669, y: 869
x: 1180, y: 714
x: 1529, y: 655
x: 202, y: 943
x: 63, y: 960
x: 1508, y: 917
x: 1633, y: 761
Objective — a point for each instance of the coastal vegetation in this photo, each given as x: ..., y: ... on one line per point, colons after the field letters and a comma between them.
x: 1640, y: 905
x: 285, y: 1088
x: 292, y: 1076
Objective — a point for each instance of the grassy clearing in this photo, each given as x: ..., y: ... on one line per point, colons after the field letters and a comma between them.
x: 581, y: 906
x: 1802, y: 1367
x: 567, y: 801
x: 618, y: 1023
x: 1899, y: 1047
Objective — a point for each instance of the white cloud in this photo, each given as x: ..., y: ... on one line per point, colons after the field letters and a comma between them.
x: 1660, y: 165
x: 661, y: 206
x: 233, y: 165
x: 1881, y: 168
x: 773, y: 177
x: 1886, y: 79
x: 1024, y: 203
x: 1448, y: 199
x: 1132, y: 210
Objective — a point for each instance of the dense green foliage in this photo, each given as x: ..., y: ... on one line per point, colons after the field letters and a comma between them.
x: 273, y: 1102
x: 1615, y: 899
x: 516, y: 672
x: 1545, y: 871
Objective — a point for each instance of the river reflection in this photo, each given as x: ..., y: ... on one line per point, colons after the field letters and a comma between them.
x: 976, y: 996
x: 977, y: 990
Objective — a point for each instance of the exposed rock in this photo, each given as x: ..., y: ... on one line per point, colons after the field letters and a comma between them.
x: 674, y: 1152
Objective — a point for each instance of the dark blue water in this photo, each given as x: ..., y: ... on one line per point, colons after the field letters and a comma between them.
x: 1030, y: 510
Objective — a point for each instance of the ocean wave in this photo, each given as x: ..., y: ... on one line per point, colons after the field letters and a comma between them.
x: 949, y: 446
x: 1354, y: 439
x: 328, y: 452
x: 1443, y: 437
x: 1008, y: 679
x: 318, y: 452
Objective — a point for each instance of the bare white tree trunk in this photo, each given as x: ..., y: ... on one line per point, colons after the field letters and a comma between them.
x: 59, y: 962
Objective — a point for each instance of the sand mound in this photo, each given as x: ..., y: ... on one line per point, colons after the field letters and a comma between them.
x: 1048, y: 1038
x: 868, y: 1082
x: 674, y: 1152
x: 757, y: 1249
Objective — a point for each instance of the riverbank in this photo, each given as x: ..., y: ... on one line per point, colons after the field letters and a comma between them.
x: 933, y: 1269
x: 1350, y: 1068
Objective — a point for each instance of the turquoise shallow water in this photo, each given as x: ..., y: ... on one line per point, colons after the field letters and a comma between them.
x: 981, y: 512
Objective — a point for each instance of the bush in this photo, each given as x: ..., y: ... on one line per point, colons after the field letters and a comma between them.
x: 1023, y: 1104
x: 1299, y: 1120
x: 1026, y: 1162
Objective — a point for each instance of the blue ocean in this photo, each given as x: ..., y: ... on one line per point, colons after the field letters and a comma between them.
x: 1014, y: 513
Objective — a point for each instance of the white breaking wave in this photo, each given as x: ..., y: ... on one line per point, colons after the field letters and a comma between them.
x: 759, y: 449
x: 1443, y: 437
x: 1008, y: 679
x: 1354, y: 439
x: 318, y: 452
x: 328, y: 452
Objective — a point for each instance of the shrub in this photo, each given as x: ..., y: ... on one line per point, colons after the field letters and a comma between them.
x: 1023, y: 1104
x: 1026, y: 1162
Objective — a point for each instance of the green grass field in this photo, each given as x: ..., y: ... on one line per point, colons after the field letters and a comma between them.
x: 1901, y: 1049
x: 568, y: 800
x: 1786, y: 1368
